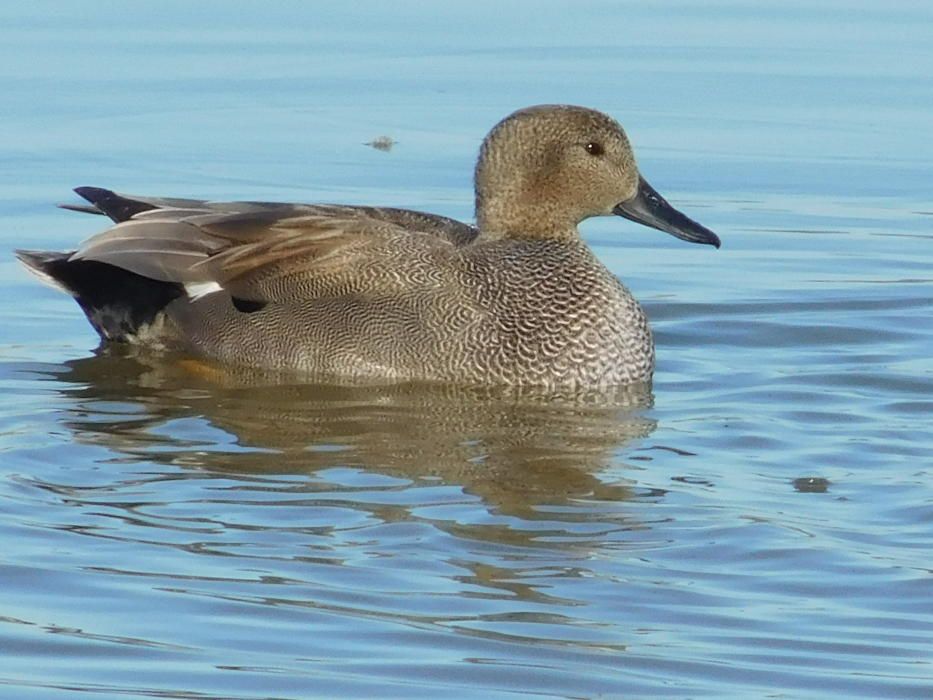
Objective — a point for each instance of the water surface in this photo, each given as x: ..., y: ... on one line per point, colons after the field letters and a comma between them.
x: 758, y: 523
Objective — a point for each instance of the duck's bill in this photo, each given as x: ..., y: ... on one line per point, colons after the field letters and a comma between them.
x: 651, y: 209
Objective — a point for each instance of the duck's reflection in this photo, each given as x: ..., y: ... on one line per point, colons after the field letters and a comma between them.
x: 514, y: 448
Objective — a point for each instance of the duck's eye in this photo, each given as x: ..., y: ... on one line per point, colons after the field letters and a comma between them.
x: 594, y: 148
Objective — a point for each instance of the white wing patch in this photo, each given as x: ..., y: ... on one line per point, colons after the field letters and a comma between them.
x: 196, y: 290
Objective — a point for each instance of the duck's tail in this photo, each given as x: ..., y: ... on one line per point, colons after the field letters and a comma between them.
x: 103, y: 201
x: 118, y: 303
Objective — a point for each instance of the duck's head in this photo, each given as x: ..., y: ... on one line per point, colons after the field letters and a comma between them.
x: 542, y: 170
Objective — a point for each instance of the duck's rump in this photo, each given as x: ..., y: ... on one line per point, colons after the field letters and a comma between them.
x: 117, y: 302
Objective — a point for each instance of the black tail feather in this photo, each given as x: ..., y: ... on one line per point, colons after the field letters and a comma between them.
x: 116, y: 302
x: 83, y: 208
x: 117, y: 207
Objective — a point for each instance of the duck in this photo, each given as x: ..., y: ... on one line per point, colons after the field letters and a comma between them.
x: 355, y: 292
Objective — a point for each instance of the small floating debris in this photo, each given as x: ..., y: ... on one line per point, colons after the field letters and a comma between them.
x: 811, y: 484
x: 382, y: 143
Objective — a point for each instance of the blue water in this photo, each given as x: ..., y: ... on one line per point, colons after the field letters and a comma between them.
x: 758, y: 525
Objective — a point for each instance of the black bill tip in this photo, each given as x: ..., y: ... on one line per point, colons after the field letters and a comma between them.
x: 651, y: 209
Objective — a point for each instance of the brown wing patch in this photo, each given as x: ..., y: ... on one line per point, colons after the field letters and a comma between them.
x: 271, y: 257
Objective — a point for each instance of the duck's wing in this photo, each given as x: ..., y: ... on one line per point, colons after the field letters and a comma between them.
x: 284, y: 254
x: 125, y: 207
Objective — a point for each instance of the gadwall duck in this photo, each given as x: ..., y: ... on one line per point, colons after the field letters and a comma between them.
x: 377, y: 293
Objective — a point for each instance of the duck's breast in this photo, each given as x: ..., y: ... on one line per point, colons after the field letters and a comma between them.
x: 556, y: 315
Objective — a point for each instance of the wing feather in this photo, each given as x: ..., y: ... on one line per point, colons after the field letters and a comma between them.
x: 311, y: 256
x: 287, y: 253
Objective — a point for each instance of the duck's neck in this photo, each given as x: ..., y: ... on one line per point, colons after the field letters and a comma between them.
x: 500, y: 217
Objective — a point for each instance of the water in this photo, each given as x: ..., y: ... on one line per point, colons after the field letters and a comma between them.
x: 759, y: 524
